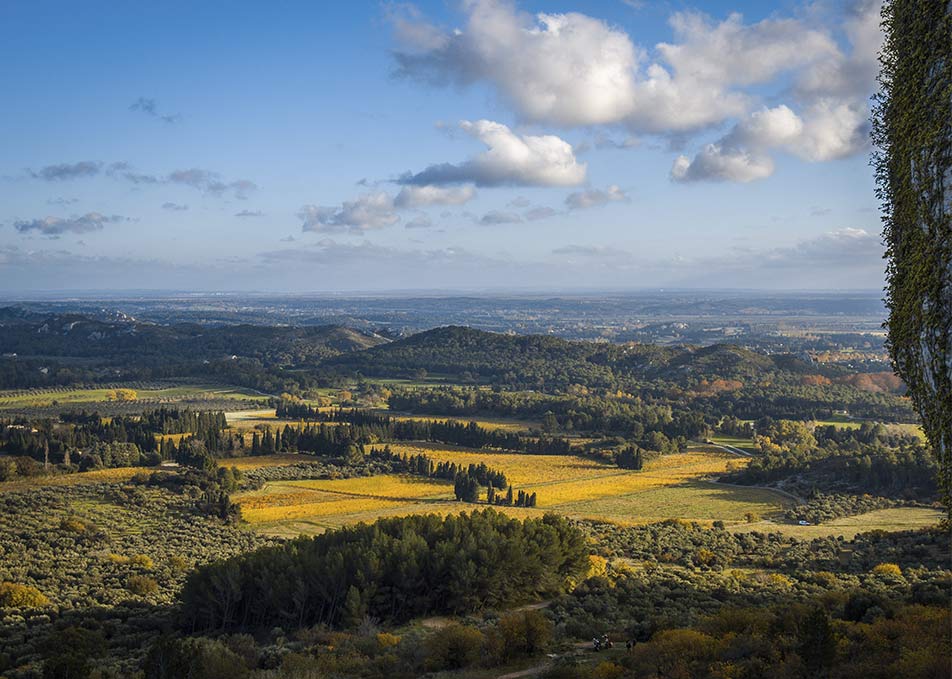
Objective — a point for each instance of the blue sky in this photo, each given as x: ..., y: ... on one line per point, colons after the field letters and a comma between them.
x: 444, y: 145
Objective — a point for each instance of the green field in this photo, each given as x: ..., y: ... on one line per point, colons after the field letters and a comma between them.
x: 10, y: 399
x: 747, y: 445
x: 895, y: 519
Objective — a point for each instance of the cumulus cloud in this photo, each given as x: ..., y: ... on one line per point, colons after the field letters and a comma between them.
x: 150, y: 107
x: 581, y: 200
x: 56, y: 226
x: 574, y: 70
x: 174, y: 207
x: 510, y: 160
x: 734, y: 53
x: 368, y: 211
x: 742, y: 155
x: 833, y: 129
x: 66, y: 171
x: 499, y: 217
x: 833, y: 121
x: 423, y: 196
x: 853, y: 74
x: 717, y: 162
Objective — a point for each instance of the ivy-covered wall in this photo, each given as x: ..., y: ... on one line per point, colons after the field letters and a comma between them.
x: 913, y: 132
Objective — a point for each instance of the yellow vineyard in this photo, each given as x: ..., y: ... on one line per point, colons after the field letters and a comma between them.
x: 674, y: 486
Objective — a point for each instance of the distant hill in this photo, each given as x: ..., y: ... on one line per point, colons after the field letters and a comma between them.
x: 455, y: 350
x: 124, y: 339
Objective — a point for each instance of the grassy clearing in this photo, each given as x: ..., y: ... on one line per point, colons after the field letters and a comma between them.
x: 401, y: 487
x: 745, y: 444
x: 176, y: 392
x: 260, y: 461
x: 116, y: 475
x: 896, y: 519
x: 694, y: 500
x: 121, y: 474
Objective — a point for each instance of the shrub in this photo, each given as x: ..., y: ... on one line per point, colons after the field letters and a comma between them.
x: 141, y: 585
x: 72, y: 525
x: 13, y: 595
x: 887, y: 569
x: 453, y: 647
x: 178, y: 564
x: 142, y: 561
x: 524, y: 633
x: 597, y: 566
x: 387, y: 640
x: 199, y: 658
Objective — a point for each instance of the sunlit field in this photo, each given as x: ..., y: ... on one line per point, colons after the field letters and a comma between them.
x: 673, y: 486
x: 516, y: 426
x: 895, y: 519
x: 113, y: 475
x: 41, y: 398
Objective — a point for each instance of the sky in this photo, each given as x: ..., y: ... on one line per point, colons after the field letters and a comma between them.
x: 444, y: 145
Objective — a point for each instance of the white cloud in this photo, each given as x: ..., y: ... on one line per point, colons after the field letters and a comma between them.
x: 422, y: 196
x: 717, y: 162
x: 833, y: 129
x: 574, y: 70
x: 66, y: 171
x: 500, y: 217
x: 510, y: 160
x: 833, y: 91
x: 54, y: 227
x: 741, y: 155
x: 595, y: 197
x: 732, y: 53
x: 366, y: 212
x: 568, y: 69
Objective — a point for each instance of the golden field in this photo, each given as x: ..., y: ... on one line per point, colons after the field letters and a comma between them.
x: 673, y: 486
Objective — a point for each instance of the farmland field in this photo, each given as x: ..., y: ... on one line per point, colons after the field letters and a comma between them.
x: 150, y: 394
x: 494, y: 424
x: 747, y: 445
x: 673, y: 486
x: 895, y: 519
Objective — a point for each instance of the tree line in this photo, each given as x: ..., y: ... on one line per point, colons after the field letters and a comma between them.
x: 394, y: 570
